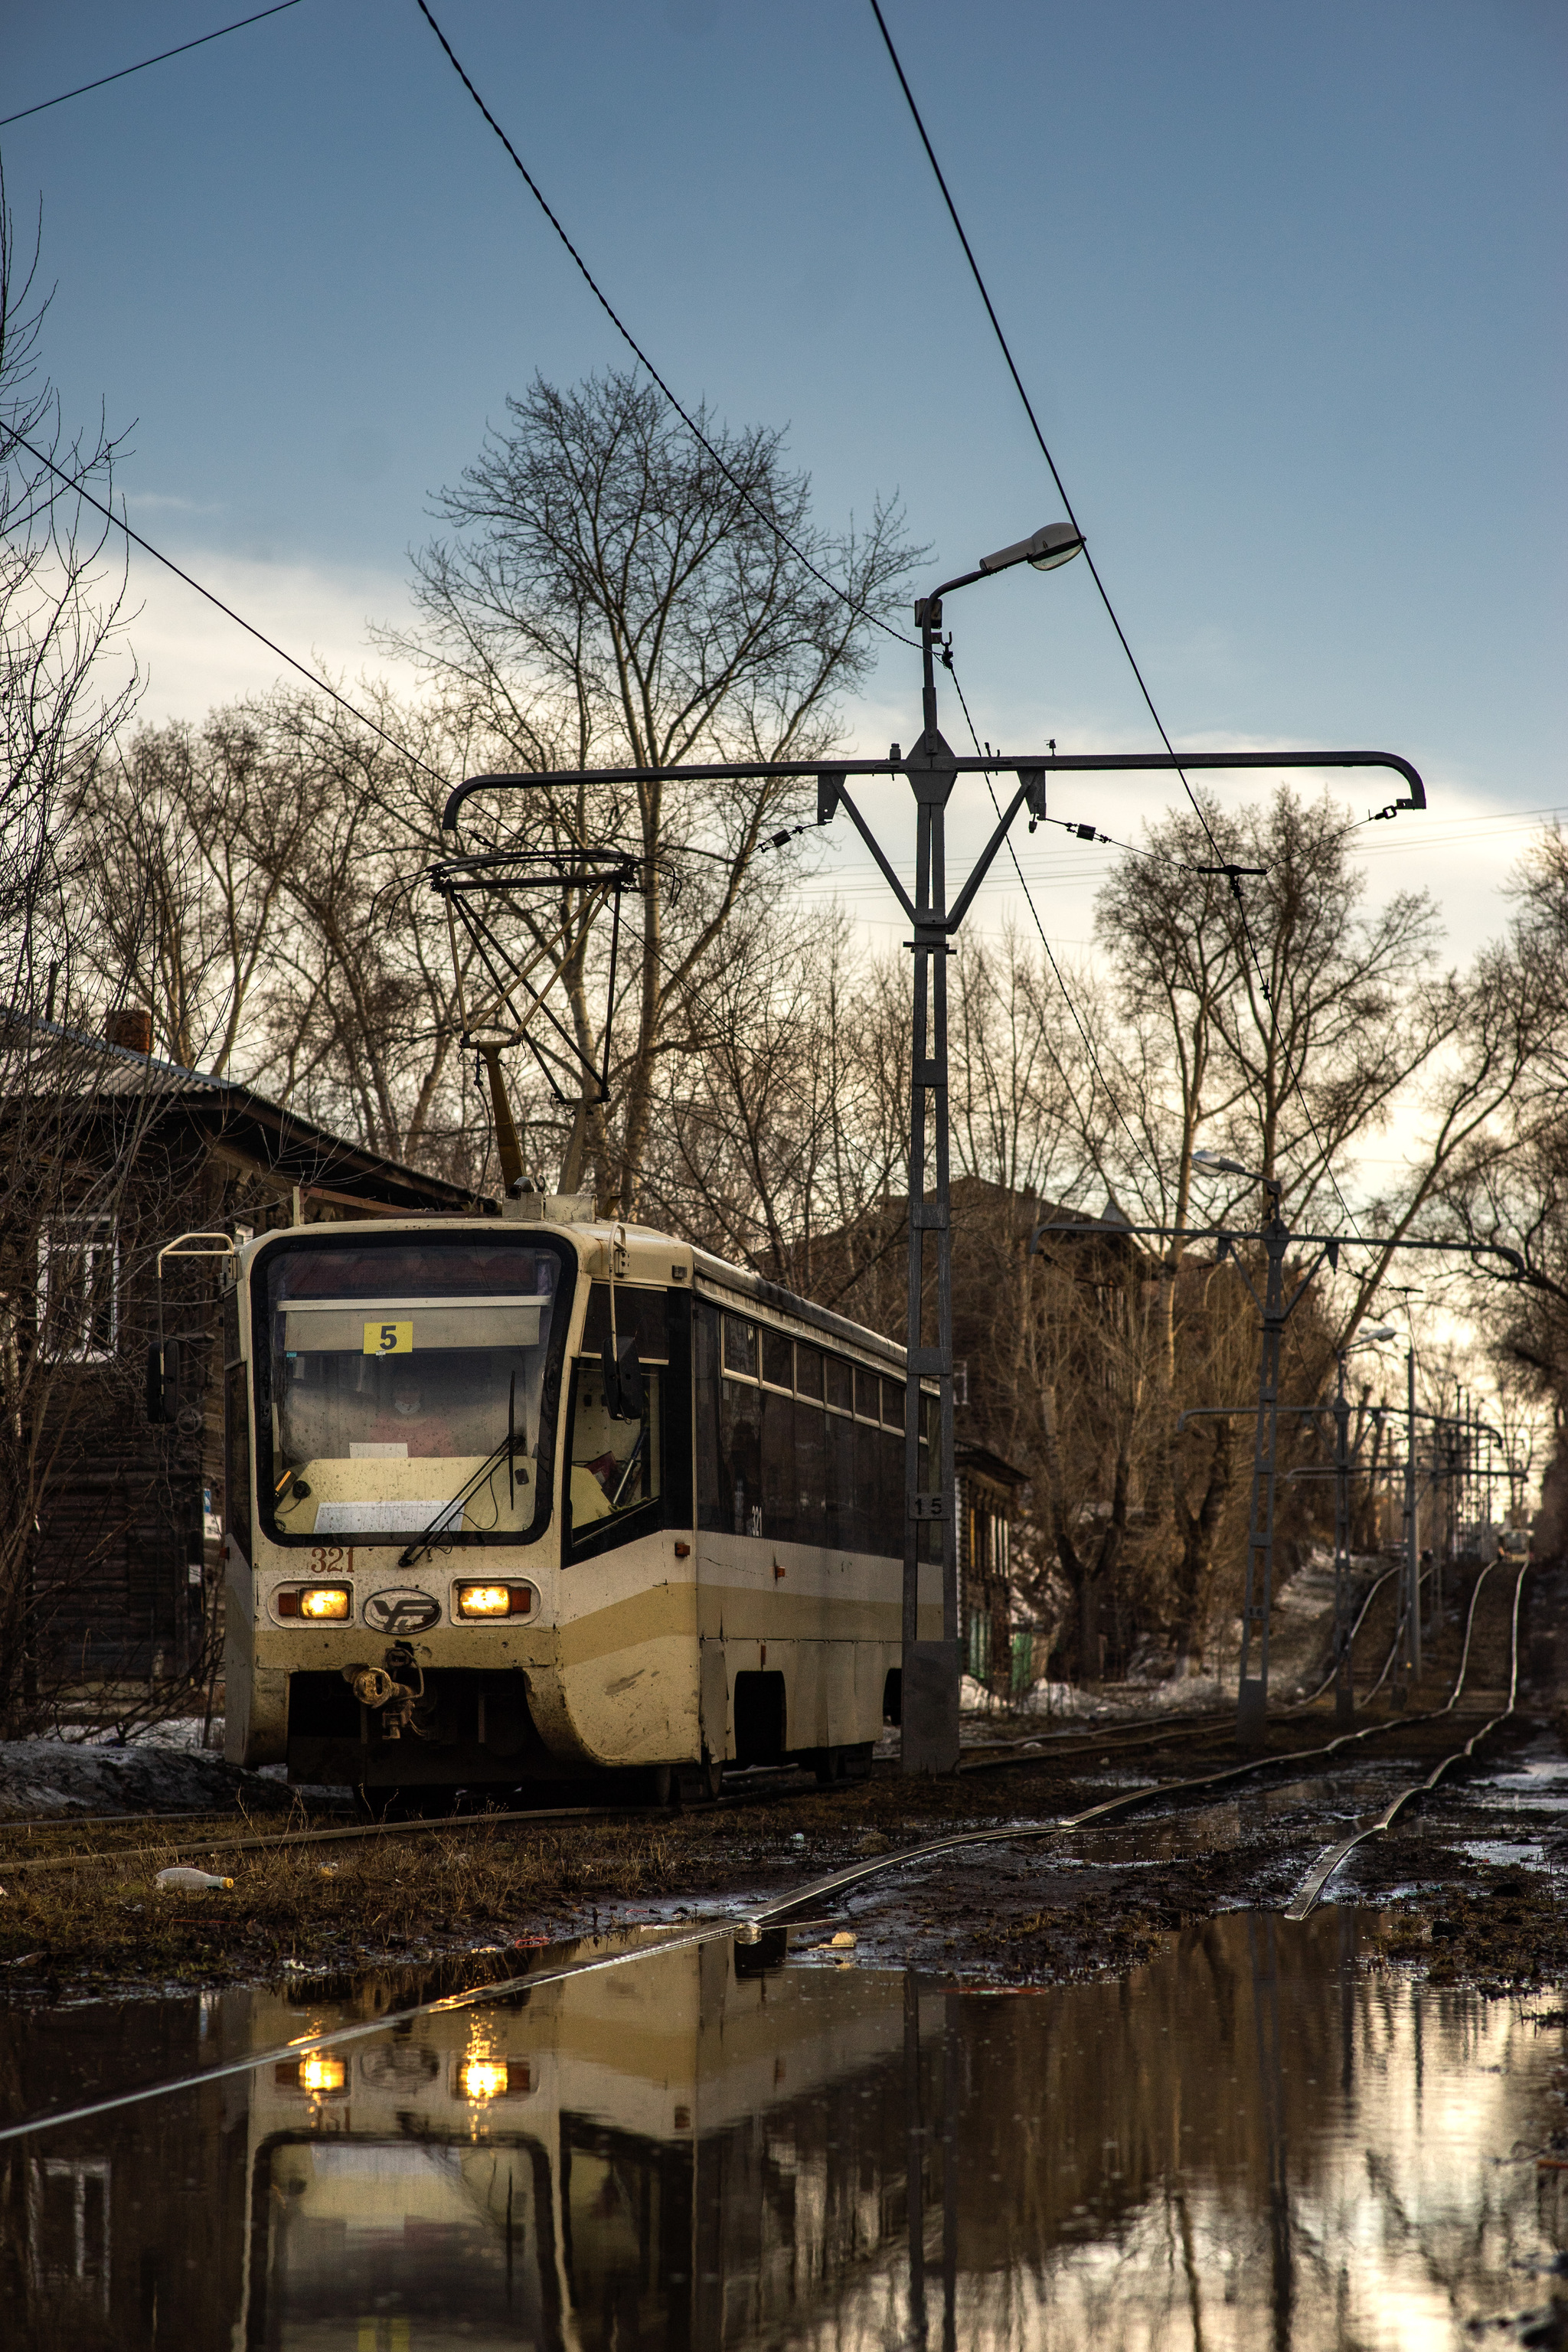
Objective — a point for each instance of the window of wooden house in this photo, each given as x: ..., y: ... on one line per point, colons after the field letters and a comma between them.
x: 78, y: 1290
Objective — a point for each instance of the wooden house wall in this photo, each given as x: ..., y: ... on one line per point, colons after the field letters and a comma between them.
x: 129, y: 1507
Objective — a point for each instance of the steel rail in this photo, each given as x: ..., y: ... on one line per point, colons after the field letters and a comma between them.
x: 282, y: 1840
x: 1170, y: 1726
x: 286, y: 1839
x: 1305, y: 1901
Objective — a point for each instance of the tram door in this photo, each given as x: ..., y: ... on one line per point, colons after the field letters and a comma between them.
x: 713, y: 1681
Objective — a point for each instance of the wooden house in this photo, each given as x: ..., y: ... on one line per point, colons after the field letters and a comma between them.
x: 110, y: 1558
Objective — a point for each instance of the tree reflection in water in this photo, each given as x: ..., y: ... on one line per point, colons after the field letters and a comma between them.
x: 1255, y: 2139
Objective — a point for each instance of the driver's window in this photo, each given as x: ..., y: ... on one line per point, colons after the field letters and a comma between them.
x: 614, y: 1464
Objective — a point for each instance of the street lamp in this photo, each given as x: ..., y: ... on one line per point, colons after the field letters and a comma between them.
x: 932, y: 1671
x: 1213, y: 1163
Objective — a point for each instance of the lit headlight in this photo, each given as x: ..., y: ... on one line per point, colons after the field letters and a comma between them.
x: 485, y: 2078
x: 324, y: 1600
x: 494, y: 1600
x: 315, y: 1602
x: 321, y: 2075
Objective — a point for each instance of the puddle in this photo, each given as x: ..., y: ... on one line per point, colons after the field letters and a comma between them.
x: 1254, y: 2139
x: 1503, y: 1853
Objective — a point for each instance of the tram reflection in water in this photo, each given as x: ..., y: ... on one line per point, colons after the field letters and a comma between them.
x: 1252, y: 2139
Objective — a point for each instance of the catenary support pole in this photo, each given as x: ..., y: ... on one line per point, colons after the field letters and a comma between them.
x: 931, y: 1675
x: 1252, y: 1695
x: 1412, y: 1545
x: 1344, y: 1689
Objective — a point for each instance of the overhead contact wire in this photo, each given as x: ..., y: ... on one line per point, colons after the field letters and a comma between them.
x: 74, y: 483
x: 1088, y: 551
x: 103, y: 80
x: 619, y: 324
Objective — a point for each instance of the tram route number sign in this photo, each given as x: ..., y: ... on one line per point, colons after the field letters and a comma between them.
x: 389, y: 1338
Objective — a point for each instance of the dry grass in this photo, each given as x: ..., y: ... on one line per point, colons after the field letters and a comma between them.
x: 321, y: 1904
x: 98, y: 1921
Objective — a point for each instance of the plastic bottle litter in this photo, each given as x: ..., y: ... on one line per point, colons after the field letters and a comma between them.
x: 182, y: 1880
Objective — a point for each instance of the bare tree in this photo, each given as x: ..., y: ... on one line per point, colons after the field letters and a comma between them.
x: 174, y: 902
x: 611, y: 597
x: 62, y: 611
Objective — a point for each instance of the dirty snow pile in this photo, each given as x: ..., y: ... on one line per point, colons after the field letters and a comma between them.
x: 151, y: 1775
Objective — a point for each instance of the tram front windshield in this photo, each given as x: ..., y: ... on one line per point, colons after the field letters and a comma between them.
x: 410, y: 1386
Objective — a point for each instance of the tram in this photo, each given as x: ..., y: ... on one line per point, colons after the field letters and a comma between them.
x: 534, y: 1501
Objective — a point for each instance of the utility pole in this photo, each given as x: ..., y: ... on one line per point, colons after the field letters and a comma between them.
x: 929, y: 1686
x: 1412, y: 1544
x: 931, y: 1670
x: 1252, y: 1695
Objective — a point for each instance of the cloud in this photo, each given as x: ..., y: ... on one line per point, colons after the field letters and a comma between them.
x: 168, y: 502
x: 194, y: 656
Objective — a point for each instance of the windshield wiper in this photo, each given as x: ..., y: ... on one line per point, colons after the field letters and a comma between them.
x: 631, y: 1465
x: 441, y: 1522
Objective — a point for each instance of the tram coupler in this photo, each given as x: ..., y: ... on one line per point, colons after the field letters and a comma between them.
x: 380, y: 1690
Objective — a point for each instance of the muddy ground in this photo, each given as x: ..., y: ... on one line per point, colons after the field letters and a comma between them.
x: 1469, y: 1886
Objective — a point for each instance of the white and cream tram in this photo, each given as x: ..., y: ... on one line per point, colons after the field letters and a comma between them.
x: 528, y: 1503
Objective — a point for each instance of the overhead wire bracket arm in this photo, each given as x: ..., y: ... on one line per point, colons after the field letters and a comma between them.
x: 869, y: 838
x: 1058, y: 762
x: 1214, y: 1411
x: 1028, y: 789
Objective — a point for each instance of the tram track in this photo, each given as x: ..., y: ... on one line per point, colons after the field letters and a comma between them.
x: 749, y: 1924
x: 1309, y: 1894
x: 1158, y: 1731
x: 1152, y: 1732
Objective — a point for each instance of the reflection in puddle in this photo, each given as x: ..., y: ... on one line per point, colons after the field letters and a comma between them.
x: 1253, y: 2140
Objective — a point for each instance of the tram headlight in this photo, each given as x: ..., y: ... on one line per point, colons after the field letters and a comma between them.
x: 317, y: 1604
x: 318, y: 2075
x: 495, y: 1599
x: 485, y: 2078
x: 324, y: 1600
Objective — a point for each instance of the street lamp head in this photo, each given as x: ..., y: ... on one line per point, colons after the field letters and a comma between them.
x: 1055, y: 544
x: 1213, y: 1163
x: 1384, y: 1332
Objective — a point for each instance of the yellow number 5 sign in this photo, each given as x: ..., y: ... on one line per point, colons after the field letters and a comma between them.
x: 389, y: 1338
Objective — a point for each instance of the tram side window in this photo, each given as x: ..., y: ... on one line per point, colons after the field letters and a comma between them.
x: 787, y: 1467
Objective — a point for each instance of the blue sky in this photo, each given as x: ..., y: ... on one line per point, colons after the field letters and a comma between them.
x: 1286, y: 285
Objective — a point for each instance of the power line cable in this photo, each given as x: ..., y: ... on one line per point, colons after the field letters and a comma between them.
x: 602, y: 299
x: 1056, y: 968
x: 103, y: 80
x: 75, y: 484
x: 1035, y: 424
x: 1089, y: 558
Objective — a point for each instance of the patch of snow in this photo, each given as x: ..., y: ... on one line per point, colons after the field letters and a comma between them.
x: 72, y: 1776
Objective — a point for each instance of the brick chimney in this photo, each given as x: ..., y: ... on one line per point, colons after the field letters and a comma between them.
x: 130, y: 1027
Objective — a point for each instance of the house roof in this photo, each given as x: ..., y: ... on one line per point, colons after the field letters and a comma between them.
x: 239, y: 1118
x: 986, y: 1465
